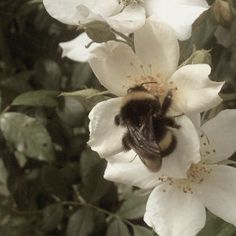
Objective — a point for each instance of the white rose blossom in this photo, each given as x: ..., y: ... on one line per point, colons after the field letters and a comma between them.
x: 125, y: 19
x: 176, y: 206
x: 155, y: 59
x: 179, y: 14
x: 118, y: 68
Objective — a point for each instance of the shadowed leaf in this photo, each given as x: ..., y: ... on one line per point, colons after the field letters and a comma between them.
x: 27, y: 135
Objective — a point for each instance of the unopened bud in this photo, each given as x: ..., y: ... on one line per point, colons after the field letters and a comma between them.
x: 99, y: 31
x: 223, y: 12
x: 198, y: 57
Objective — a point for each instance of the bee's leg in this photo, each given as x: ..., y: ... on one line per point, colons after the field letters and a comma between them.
x: 169, y: 121
x: 166, y: 103
x: 134, y: 157
x: 117, y: 120
x: 126, y: 142
x: 178, y: 115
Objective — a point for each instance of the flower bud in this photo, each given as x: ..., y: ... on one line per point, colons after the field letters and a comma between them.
x: 99, y: 31
x: 198, y: 57
x: 223, y: 12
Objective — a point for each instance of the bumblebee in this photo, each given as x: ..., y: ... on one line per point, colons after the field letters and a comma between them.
x: 149, y: 128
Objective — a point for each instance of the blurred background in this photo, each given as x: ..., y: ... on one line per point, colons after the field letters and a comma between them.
x: 51, y: 183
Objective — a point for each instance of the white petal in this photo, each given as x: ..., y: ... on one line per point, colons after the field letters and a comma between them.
x: 105, y: 136
x: 195, y: 117
x: 64, y: 11
x: 196, y: 92
x: 187, y: 150
x: 176, y: 164
x: 129, y: 20
x: 83, y: 11
x: 105, y: 9
x: 218, y: 191
x: 157, y: 45
x: 76, y: 49
x: 179, y: 14
x: 127, y: 168
x: 221, y: 133
x: 85, y: 14
x: 171, y: 212
x: 115, y: 66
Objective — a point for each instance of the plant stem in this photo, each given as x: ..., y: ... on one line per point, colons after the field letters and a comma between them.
x: 98, y: 209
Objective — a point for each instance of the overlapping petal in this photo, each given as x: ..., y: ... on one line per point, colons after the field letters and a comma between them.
x: 218, y: 191
x: 156, y: 45
x: 116, y: 67
x: 76, y: 49
x: 64, y: 11
x: 105, y: 136
x: 179, y: 14
x: 74, y: 11
x: 109, y: 8
x: 221, y: 133
x: 127, y: 168
x: 123, y: 167
x: 186, y: 152
x: 196, y: 92
x: 129, y: 20
x: 171, y: 212
x: 176, y: 164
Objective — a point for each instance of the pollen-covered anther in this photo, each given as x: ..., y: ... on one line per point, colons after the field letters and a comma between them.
x: 198, y: 172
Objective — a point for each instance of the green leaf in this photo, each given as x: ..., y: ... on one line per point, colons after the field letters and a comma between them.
x: 71, y: 111
x: 99, y: 31
x: 48, y: 74
x: 27, y: 135
x: 3, y: 179
x: 84, y: 93
x: 52, y: 216
x: 92, y: 169
x: 203, y: 29
x: 133, y: 207
x: 44, y: 98
x: 217, y: 227
x: 81, y: 223
x: 117, y: 228
x: 88, y: 97
x: 54, y: 182
x: 142, y: 231
x: 0, y: 100
x: 202, y: 33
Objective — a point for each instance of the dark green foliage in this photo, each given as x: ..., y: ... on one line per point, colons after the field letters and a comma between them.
x: 51, y: 183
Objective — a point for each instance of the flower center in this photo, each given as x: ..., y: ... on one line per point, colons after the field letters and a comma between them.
x: 195, y: 175
x: 128, y: 2
x: 154, y: 83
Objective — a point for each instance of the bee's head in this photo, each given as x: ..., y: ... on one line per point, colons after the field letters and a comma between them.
x: 137, y: 88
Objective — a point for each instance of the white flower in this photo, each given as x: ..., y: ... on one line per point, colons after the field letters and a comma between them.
x: 176, y: 206
x: 106, y: 139
x: 179, y: 14
x: 122, y: 18
x: 74, y: 12
x: 118, y: 68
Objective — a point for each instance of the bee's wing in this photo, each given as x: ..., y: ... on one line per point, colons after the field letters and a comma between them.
x: 146, y: 147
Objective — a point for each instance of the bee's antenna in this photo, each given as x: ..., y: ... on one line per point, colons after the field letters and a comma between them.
x: 150, y: 82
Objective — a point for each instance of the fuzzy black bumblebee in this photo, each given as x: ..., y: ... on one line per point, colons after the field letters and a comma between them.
x: 149, y: 131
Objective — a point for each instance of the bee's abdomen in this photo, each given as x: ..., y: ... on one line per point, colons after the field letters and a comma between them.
x: 167, y: 144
